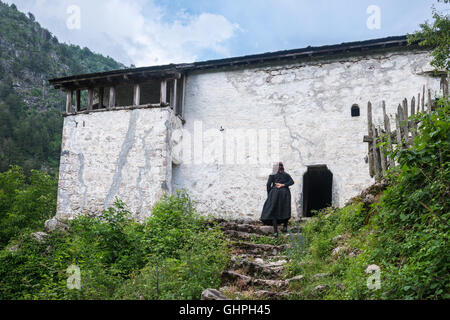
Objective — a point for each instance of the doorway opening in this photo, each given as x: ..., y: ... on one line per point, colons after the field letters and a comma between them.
x: 317, y: 189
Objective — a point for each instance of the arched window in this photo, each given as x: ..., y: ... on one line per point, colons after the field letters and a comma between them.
x: 355, y: 110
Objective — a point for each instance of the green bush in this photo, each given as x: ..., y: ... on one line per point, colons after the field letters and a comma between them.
x: 118, y: 256
x: 413, y: 223
x: 406, y: 233
x: 25, y: 203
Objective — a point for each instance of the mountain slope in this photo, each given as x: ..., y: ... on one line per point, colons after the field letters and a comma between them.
x: 30, y: 120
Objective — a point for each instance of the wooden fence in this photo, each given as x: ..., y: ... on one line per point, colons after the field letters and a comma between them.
x: 404, y: 133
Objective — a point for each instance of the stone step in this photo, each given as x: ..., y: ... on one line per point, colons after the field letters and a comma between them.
x: 249, y: 236
x: 239, y: 221
x: 260, y: 257
x: 245, y: 282
x: 247, y: 228
x: 212, y: 295
x: 240, y: 235
x: 259, y: 249
x: 258, y: 267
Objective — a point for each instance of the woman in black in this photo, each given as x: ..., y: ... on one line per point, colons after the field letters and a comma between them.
x: 277, y: 208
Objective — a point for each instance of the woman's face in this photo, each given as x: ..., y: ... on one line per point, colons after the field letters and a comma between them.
x: 275, y: 166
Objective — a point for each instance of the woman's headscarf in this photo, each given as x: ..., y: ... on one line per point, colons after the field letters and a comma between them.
x: 277, y: 167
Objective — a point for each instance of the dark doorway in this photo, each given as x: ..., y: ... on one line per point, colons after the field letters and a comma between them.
x: 317, y: 189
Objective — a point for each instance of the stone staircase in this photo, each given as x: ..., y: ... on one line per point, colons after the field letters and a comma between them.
x: 256, y: 268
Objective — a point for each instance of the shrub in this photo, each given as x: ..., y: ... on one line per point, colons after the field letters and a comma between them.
x: 25, y: 203
x: 118, y: 257
x: 406, y: 233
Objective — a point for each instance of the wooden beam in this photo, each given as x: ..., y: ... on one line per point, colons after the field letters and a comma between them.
x: 137, y: 94
x: 413, y: 112
x: 387, y: 129
x: 404, y: 121
x: 69, y: 94
x: 101, y: 95
x: 399, y: 130
x: 112, y: 97
x: 423, y: 99
x: 383, y: 159
x: 429, y: 101
x: 371, y: 134
x: 78, y: 101
x: 90, y: 99
x: 444, y: 85
x: 174, y: 94
x: 183, y: 96
x: 163, y: 91
x: 418, y: 103
x: 405, y: 109
x: 376, y: 155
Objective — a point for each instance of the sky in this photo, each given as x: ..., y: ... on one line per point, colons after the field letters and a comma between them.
x: 155, y: 32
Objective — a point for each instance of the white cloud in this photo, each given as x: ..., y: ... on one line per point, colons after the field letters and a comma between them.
x: 120, y: 29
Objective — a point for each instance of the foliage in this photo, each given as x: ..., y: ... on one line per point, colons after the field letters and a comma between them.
x: 185, y: 255
x: 25, y: 203
x: 30, y: 119
x: 436, y: 35
x: 30, y: 139
x: 406, y: 233
x: 120, y: 258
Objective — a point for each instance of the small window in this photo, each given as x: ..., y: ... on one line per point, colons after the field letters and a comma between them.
x: 355, y: 110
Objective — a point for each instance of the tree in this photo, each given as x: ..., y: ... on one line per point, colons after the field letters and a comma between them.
x: 437, y: 36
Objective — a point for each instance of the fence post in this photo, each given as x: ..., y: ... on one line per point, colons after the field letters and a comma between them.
x: 370, y: 131
x: 376, y: 155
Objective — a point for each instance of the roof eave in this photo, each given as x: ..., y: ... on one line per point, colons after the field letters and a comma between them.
x: 171, y: 70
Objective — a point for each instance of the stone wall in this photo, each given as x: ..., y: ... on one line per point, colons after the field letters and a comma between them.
x: 309, y: 105
x: 122, y: 154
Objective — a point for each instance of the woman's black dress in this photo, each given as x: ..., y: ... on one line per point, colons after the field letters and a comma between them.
x: 278, y: 203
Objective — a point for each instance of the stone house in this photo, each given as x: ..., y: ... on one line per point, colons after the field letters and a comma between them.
x: 215, y: 127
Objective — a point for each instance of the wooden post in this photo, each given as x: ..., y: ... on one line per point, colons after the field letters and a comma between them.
x: 429, y: 101
x: 399, y: 130
x: 376, y: 155
x: 163, y: 91
x: 383, y: 160
x: 404, y: 122
x: 418, y: 103
x: 174, y: 94
x: 90, y: 99
x: 423, y: 99
x: 183, y: 94
x: 78, y: 101
x: 444, y: 85
x: 137, y: 95
x: 413, y: 112
x: 405, y: 109
x: 112, y: 98
x: 370, y: 131
x: 101, y: 95
x: 69, y: 94
x: 387, y: 128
